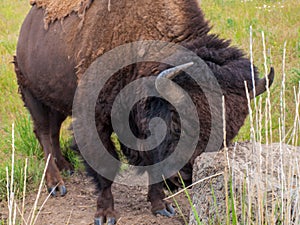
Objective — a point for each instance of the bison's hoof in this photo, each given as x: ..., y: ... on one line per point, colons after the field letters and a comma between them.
x: 169, y: 211
x: 62, y: 190
x: 99, y: 221
x: 109, y: 221
x: 52, y: 191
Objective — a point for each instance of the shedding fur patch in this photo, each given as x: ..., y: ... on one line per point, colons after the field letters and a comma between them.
x: 58, y: 9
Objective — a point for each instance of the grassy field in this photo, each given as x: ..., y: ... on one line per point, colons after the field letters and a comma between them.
x: 279, y: 20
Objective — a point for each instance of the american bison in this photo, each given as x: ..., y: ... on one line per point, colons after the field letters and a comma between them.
x: 51, y: 61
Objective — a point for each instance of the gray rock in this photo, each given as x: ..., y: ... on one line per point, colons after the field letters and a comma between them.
x: 264, y: 178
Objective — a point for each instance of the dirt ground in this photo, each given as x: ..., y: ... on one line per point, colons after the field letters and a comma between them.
x: 79, y: 205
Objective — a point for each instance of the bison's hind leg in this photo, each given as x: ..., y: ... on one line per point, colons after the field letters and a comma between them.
x: 47, y: 124
x: 56, y: 120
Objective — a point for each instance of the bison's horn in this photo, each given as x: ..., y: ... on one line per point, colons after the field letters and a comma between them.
x: 170, y: 91
x: 261, y: 85
x: 171, y: 73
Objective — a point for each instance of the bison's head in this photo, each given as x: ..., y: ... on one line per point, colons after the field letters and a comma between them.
x: 260, y: 85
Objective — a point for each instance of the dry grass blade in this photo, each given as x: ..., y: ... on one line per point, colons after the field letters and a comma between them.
x: 193, y: 184
x: 11, y: 195
x: 10, y: 183
x: 69, y: 218
x: 24, y: 190
x: 42, y: 206
x: 227, y: 166
x: 109, y: 5
x: 33, y: 215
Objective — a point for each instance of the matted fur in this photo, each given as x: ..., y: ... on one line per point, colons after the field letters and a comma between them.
x: 57, y: 9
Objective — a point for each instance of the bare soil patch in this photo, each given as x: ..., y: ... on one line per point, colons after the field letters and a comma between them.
x: 79, y: 205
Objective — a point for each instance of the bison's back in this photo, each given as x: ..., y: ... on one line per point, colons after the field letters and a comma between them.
x: 52, y: 60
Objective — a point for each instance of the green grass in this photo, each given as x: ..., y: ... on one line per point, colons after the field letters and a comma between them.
x: 280, y: 23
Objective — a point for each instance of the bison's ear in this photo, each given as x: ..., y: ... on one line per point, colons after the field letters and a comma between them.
x: 261, y: 85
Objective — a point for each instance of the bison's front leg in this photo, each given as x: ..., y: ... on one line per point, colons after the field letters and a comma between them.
x: 105, y: 203
x: 159, y: 206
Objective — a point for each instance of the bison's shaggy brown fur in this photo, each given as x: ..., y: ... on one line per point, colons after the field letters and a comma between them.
x: 50, y: 62
x: 58, y: 10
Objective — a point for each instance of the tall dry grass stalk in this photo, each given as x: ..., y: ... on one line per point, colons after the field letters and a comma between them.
x: 16, y: 214
x: 227, y: 166
x: 285, y: 206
